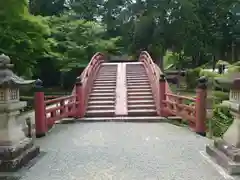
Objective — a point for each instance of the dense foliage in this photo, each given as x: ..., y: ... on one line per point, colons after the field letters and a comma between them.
x: 44, y: 36
x: 220, y: 121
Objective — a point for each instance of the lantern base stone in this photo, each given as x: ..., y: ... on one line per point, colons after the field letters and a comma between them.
x: 225, y: 155
x: 13, y: 157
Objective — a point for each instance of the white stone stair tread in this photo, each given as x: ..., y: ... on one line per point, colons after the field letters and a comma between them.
x: 101, y: 111
x: 104, y: 87
x: 100, y: 107
x: 103, y: 94
x: 140, y: 101
x: 100, y: 102
x: 103, y: 91
x: 142, y: 110
x: 139, y: 90
x: 104, y: 81
x: 139, y: 93
x: 94, y: 98
x: 135, y: 106
x: 137, y: 87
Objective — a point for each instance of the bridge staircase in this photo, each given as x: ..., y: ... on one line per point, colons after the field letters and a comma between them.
x: 140, y: 100
x: 102, y: 97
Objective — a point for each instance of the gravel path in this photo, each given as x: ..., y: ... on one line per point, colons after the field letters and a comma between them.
x: 122, y: 151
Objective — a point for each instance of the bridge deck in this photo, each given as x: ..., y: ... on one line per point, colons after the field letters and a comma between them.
x: 122, y: 151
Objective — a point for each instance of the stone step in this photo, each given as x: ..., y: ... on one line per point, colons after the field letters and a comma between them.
x: 102, y: 94
x: 133, y: 98
x: 108, y: 68
x: 101, y: 98
x: 140, y: 101
x: 101, y: 107
x: 107, y: 74
x: 139, y: 93
x: 135, y: 69
x: 138, y: 87
x: 142, y: 106
x: 136, y: 74
x: 140, y: 90
x: 99, y: 103
x: 137, y: 80
x: 142, y: 112
x: 125, y: 119
x: 100, y: 113
x: 138, y: 83
x: 103, y: 91
x: 104, y: 81
x: 140, y: 75
x: 103, y: 88
x: 104, y: 84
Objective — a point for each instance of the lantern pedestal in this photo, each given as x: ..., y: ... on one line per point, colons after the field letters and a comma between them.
x: 226, y: 151
x: 15, y: 148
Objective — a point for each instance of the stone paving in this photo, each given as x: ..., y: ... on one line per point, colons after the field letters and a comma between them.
x: 122, y: 151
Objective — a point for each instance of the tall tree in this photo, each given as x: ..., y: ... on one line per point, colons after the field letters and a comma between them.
x: 23, y: 36
x: 47, y: 7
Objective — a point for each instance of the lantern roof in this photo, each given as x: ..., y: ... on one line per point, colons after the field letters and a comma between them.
x: 7, y: 77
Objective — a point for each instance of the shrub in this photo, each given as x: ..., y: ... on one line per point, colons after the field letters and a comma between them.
x: 220, y: 62
x: 208, y: 74
x: 236, y: 63
x: 220, y: 96
x: 192, y: 76
x: 220, y: 121
x: 233, y: 69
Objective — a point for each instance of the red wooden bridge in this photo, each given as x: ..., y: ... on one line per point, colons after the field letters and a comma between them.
x: 121, y: 91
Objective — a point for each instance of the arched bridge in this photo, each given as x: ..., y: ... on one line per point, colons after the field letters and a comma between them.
x: 121, y: 91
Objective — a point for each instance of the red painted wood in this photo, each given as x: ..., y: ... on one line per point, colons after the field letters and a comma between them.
x: 79, y: 100
x: 201, y: 114
x: 40, y: 114
x: 153, y: 77
x: 62, y: 108
x: 162, y: 97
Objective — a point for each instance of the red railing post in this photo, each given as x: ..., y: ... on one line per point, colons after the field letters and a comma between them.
x: 201, y: 106
x: 79, y: 98
x: 40, y: 110
x: 162, y: 94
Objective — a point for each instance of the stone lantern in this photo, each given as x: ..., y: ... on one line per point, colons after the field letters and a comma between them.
x: 15, y: 148
x: 226, y: 151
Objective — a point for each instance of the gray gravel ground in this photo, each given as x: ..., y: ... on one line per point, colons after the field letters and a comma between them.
x: 122, y: 151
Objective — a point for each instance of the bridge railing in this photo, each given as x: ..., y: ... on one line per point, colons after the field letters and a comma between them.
x: 48, y: 111
x: 86, y: 80
x: 153, y: 76
x: 154, y: 73
x: 59, y: 108
x: 169, y: 104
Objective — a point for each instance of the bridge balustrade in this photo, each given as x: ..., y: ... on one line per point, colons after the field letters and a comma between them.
x: 170, y: 104
x: 48, y: 110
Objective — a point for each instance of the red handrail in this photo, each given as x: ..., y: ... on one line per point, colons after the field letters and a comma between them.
x: 152, y: 75
x: 155, y: 68
x: 88, y: 75
x: 97, y: 58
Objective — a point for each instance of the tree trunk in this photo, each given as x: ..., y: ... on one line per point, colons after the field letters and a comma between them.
x: 161, y: 63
